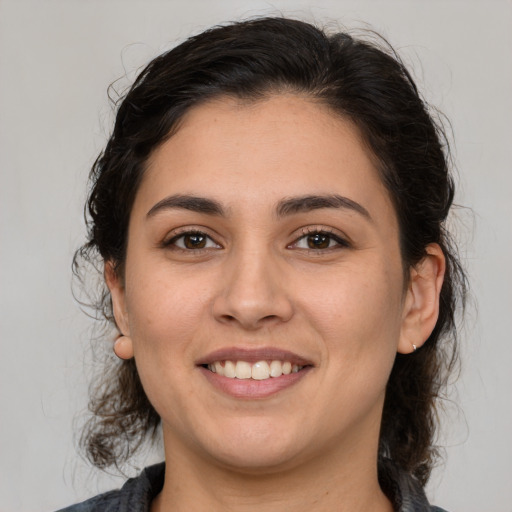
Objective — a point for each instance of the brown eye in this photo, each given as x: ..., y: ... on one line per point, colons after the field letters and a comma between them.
x: 194, y: 241
x: 318, y: 241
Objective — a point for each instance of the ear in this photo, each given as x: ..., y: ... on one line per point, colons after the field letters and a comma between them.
x: 421, y: 303
x: 117, y: 292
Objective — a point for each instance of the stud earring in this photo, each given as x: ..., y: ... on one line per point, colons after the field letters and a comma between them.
x: 123, y: 347
x: 414, y: 348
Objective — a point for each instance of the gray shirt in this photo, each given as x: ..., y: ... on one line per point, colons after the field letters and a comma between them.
x: 136, y: 495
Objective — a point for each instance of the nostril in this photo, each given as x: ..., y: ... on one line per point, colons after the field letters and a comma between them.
x: 228, y: 318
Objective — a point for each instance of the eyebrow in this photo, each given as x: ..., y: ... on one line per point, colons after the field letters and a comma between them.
x: 188, y: 202
x: 308, y: 203
x: 284, y: 208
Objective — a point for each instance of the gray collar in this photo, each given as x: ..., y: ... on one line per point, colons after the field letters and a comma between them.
x: 136, y: 495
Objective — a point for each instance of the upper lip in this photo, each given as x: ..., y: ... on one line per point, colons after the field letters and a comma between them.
x: 253, y: 355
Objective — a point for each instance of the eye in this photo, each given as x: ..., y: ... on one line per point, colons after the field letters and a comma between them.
x: 319, y: 240
x: 192, y: 240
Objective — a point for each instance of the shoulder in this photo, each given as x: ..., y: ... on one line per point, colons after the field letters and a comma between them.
x: 107, y: 502
x: 135, y: 495
x: 403, y: 489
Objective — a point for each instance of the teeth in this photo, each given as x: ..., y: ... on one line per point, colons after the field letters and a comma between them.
x: 242, y: 370
x: 276, y: 369
x: 261, y: 370
x: 219, y: 368
x: 229, y: 369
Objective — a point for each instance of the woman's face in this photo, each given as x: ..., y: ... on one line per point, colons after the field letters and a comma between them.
x: 261, y: 233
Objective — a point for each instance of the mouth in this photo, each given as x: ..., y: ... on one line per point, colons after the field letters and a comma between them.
x: 260, y: 370
x: 252, y: 374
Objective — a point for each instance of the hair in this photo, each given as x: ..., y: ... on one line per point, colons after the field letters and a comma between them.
x: 363, y: 81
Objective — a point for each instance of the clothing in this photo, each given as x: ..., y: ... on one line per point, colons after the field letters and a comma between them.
x: 137, y: 493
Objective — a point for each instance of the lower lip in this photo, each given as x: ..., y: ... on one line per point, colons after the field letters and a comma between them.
x: 251, y: 389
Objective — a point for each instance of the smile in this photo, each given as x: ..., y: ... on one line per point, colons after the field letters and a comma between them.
x: 251, y: 374
x: 260, y: 370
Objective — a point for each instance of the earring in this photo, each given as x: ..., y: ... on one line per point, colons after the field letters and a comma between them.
x: 414, y: 348
x: 123, y: 347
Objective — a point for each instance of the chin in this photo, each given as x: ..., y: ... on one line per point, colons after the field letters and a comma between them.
x: 257, y: 449
x: 255, y: 461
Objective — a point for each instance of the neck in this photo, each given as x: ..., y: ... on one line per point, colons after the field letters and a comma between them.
x: 328, y: 482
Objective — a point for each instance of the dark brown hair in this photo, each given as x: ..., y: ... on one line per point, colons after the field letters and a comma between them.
x: 363, y: 81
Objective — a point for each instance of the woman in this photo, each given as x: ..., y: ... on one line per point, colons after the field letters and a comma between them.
x: 270, y: 212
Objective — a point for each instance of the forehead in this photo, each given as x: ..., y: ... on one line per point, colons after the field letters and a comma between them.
x: 262, y: 151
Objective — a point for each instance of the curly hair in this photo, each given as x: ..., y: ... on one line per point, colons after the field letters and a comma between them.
x: 361, y: 80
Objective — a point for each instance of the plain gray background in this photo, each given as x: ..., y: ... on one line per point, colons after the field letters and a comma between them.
x: 56, y: 60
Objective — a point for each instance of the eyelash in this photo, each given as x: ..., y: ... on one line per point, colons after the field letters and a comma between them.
x: 172, y: 242
x: 340, y: 242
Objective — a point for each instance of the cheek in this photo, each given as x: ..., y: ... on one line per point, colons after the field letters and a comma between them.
x: 164, y: 312
x: 358, y: 316
x: 355, y: 315
x: 165, y: 319
x: 354, y: 299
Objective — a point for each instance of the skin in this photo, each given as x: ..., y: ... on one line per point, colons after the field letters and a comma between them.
x: 257, y: 284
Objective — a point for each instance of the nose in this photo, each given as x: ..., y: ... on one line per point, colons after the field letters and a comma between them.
x: 253, y: 292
